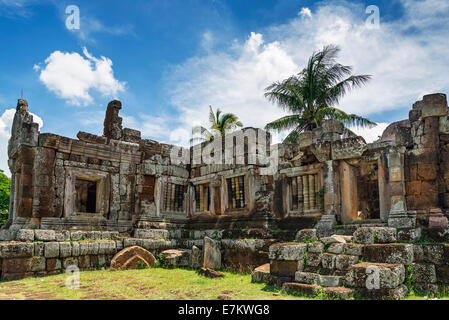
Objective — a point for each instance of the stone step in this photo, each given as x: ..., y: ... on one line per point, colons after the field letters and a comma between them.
x: 318, y: 279
x: 369, y: 275
x: 338, y: 292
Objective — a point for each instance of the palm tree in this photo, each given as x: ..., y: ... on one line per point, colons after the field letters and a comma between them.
x: 221, y: 124
x: 311, y: 95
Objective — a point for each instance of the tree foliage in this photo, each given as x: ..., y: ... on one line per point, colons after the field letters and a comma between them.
x: 311, y: 95
x: 5, y: 187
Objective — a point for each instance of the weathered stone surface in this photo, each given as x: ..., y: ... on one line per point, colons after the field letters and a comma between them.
x: 38, y: 264
x: 383, y: 293
x: 287, y: 251
x: 16, y: 265
x: 151, y: 234
x: 429, y: 253
x: 107, y: 247
x: 353, y: 249
x: 338, y: 292
x: 16, y: 249
x: 210, y: 273
x: 410, y: 235
x: 336, y: 248
x: 364, y: 235
x: 315, y: 247
x: 133, y: 258
x: 306, y: 235
x: 261, y: 273
x: 286, y: 268
x: 328, y: 260
x: 423, y: 273
x: 196, y: 257
x: 307, y: 277
x: 54, y: 264
x: 333, y: 239
x: 25, y: 235
x: 389, y: 253
x: 313, y: 259
x: 51, y: 250
x: 343, y: 262
x: 442, y: 273
x: 384, y: 235
x: 65, y: 249
x: 390, y: 275
x: 330, y: 281
x: 44, y: 235
x: 63, y: 235
x: 212, y: 254
x: 301, y: 288
x: 176, y: 257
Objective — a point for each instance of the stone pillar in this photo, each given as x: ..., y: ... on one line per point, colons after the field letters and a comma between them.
x: 331, y: 196
x: 112, y: 122
x: 399, y: 217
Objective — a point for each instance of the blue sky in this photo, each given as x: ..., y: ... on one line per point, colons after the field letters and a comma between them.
x: 167, y: 61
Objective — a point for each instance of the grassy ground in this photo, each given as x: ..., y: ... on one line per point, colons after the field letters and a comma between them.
x: 156, y: 283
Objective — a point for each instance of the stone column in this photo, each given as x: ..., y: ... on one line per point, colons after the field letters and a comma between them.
x: 331, y: 196
x: 399, y: 217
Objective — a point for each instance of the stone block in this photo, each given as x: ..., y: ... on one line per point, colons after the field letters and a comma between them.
x: 196, y: 258
x: 70, y: 261
x: 343, y: 262
x: 38, y: 264
x: 133, y: 258
x: 330, y: 281
x: 16, y: 249
x: 65, y: 249
x: 313, y: 259
x: 384, y: 235
x: 93, y: 247
x: 84, y: 262
x: 176, y: 257
x: 410, y: 235
x: 301, y: 288
x: 364, y: 235
x: 51, y: 249
x: 307, y: 277
x: 287, y: 251
x: 44, y: 235
x: 212, y: 254
x: 338, y: 293
x: 434, y: 105
x: 353, y: 249
x: 384, y: 293
x: 336, y: 248
x: 389, y: 253
x: 39, y: 248
x: 62, y: 235
x: 284, y: 268
x: 54, y: 265
x: 315, y: 247
x: 328, y: 260
x: 16, y: 265
x: 429, y: 253
x: 25, y: 235
x: 423, y: 273
x: 442, y: 273
x: 375, y: 275
x: 151, y: 234
x: 306, y: 235
x: 260, y: 274
x: 75, y: 249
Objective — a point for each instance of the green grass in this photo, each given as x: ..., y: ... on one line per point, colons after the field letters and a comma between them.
x: 153, y: 283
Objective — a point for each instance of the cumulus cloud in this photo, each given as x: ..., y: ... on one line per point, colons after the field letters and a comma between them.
x: 72, y: 76
x: 305, y: 12
x: 407, y: 58
x: 5, y: 133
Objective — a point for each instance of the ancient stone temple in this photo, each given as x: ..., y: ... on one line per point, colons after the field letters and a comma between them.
x: 158, y: 196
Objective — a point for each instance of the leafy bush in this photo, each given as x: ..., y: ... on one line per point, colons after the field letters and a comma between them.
x: 5, y: 187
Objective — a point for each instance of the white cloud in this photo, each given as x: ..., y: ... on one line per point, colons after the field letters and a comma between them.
x: 72, y: 76
x: 407, y: 58
x: 305, y: 12
x: 371, y: 134
x: 6, y: 120
x: 90, y: 26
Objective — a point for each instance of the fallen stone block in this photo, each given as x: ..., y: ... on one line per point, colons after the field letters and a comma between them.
x: 364, y: 235
x: 375, y: 275
x: 261, y: 273
x: 330, y: 281
x: 389, y: 253
x: 209, y: 273
x: 384, y: 293
x: 301, y: 288
x: 212, y: 254
x: 338, y: 293
x: 307, y: 277
x: 429, y: 253
x: 287, y: 251
x: 333, y: 239
x: 176, y: 257
x: 410, y: 235
x: 196, y: 258
x: 133, y: 258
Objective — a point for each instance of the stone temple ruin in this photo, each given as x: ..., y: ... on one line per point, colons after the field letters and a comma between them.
x: 330, y: 203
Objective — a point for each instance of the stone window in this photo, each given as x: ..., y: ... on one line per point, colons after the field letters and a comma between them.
x: 86, y: 196
x: 148, y: 184
x: 236, y: 192
x: 304, y: 191
x: 202, y: 197
x: 174, y: 197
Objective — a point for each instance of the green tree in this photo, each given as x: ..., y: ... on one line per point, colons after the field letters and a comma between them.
x: 220, y: 125
x: 5, y: 187
x: 311, y: 95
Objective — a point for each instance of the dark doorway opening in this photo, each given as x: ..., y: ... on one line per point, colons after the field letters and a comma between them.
x: 86, y: 196
x: 368, y: 192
